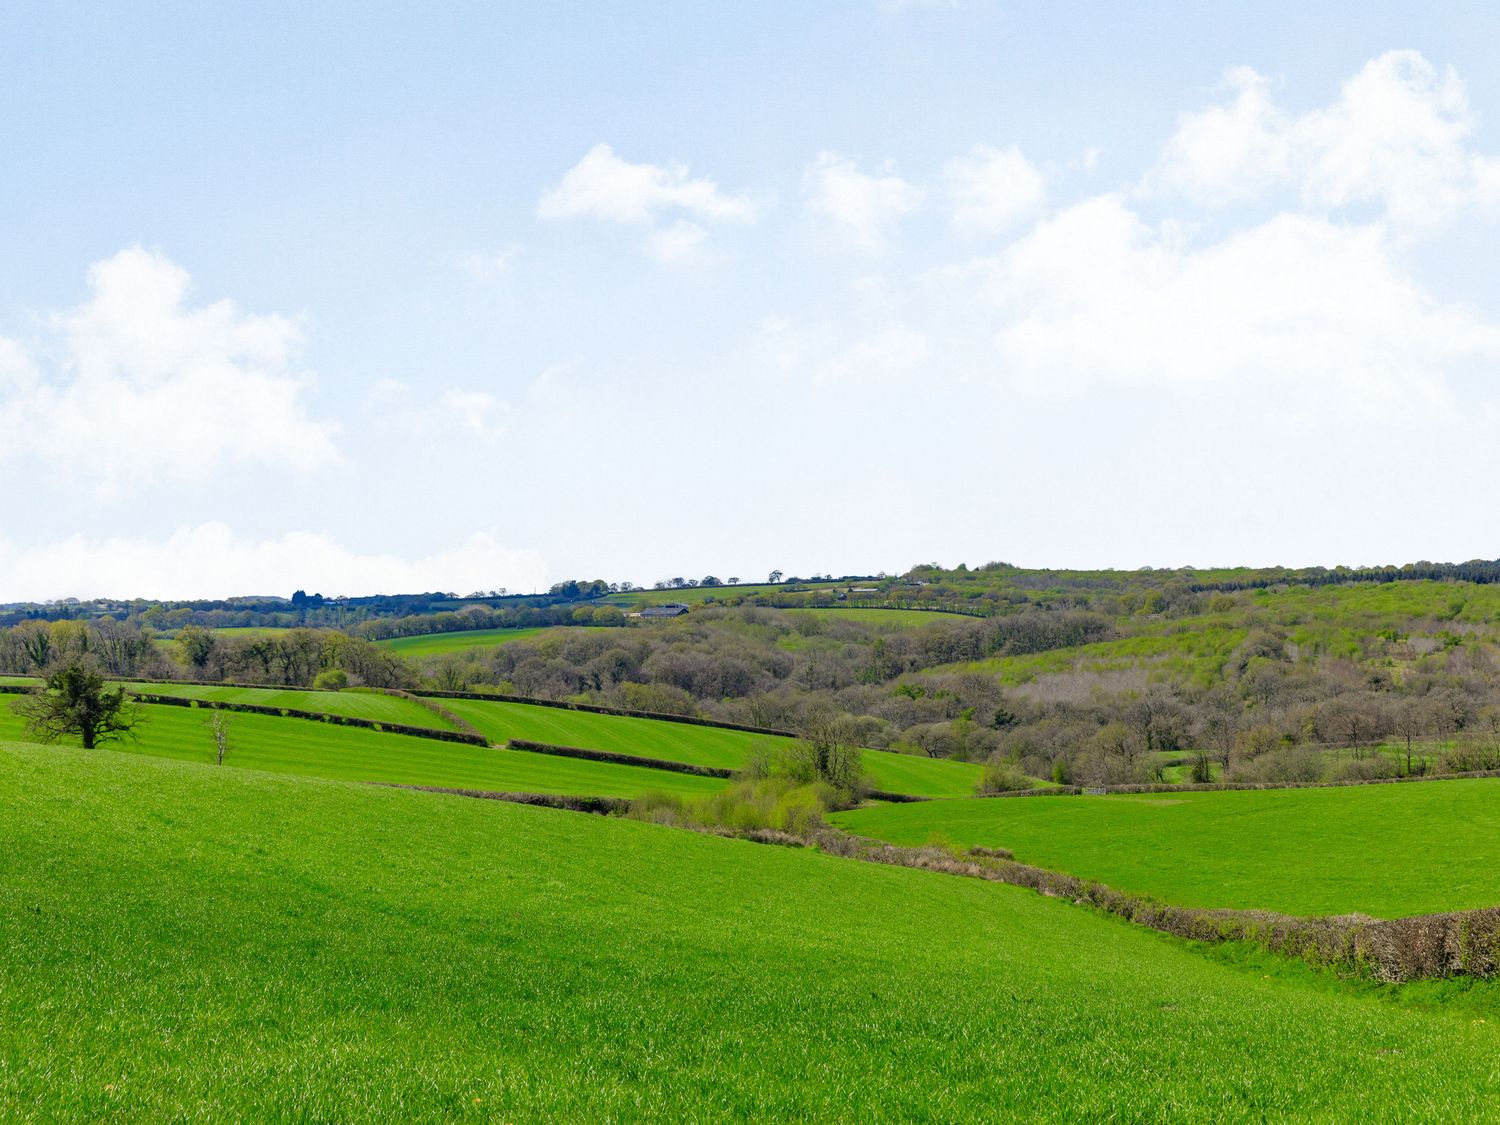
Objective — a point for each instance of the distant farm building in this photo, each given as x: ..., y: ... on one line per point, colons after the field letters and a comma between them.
x: 671, y: 609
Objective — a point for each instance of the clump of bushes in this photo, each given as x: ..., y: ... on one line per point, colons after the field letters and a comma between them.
x: 776, y: 804
x: 331, y: 679
x: 782, y: 789
x: 1000, y: 775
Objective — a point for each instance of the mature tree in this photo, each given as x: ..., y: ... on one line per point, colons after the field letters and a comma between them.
x: 74, y: 700
x: 774, y: 577
x: 828, y: 752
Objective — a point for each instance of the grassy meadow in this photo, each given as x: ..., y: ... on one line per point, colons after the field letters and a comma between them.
x: 184, y: 942
x: 1384, y: 850
x: 355, y: 704
x: 314, y: 749
x: 701, y: 746
x: 440, y: 644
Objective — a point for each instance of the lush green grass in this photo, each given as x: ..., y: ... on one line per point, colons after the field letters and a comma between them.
x: 356, y: 704
x: 702, y: 746
x: 1385, y: 850
x: 439, y: 644
x: 309, y: 748
x: 178, y: 941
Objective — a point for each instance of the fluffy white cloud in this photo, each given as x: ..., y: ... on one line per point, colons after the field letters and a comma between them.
x: 1096, y: 295
x: 602, y: 186
x: 396, y: 405
x: 210, y: 561
x: 135, y: 386
x: 1399, y: 135
x: 992, y: 188
x: 861, y: 205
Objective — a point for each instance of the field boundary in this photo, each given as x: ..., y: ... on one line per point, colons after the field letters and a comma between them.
x: 667, y: 765
x: 1230, y: 786
x: 1394, y: 950
x: 441, y: 712
x: 315, y: 716
x: 597, y: 709
x: 598, y: 806
x: 530, y: 747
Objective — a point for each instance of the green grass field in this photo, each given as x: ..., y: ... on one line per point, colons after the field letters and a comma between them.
x: 356, y: 704
x: 1384, y: 850
x: 440, y: 644
x: 183, y: 942
x: 702, y: 746
x: 310, y: 748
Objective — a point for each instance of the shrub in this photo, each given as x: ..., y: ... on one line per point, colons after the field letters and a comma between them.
x: 1002, y: 776
x: 333, y: 679
x: 765, y: 804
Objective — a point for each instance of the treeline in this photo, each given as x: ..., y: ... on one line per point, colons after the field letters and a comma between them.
x: 480, y: 617
x: 295, y: 658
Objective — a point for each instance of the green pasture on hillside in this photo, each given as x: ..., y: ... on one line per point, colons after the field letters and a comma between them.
x: 701, y: 746
x: 183, y: 942
x: 355, y: 704
x: 1385, y: 850
x: 311, y: 748
x: 440, y: 644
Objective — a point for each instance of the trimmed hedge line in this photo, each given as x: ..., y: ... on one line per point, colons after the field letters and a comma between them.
x: 427, y: 704
x: 595, y: 709
x: 602, y: 806
x: 1458, y: 943
x: 318, y: 716
x: 1226, y: 786
x: 618, y: 759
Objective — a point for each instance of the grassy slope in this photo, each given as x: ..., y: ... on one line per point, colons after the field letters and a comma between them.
x: 358, y: 704
x: 300, y: 746
x: 703, y: 746
x: 438, y: 644
x: 179, y: 941
x: 1386, y: 850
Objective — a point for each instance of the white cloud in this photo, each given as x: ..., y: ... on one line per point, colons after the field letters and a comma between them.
x: 210, y: 561
x: 1399, y: 135
x: 135, y: 387
x: 862, y: 206
x: 602, y: 186
x: 993, y: 188
x: 1299, y: 311
x: 396, y: 405
x: 1095, y: 295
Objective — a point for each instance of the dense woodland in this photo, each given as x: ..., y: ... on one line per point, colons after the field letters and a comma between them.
x: 1083, y: 677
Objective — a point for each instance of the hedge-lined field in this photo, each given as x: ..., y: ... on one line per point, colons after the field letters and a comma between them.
x: 699, y: 746
x: 438, y: 644
x: 1384, y: 850
x: 301, y: 746
x: 182, y: 941
x: 356, y: 704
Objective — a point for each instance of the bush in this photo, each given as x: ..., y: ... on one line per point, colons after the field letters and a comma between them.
x: 1364, y: 769
x: 1002, y: 776
x: 772, y: 803
x: 1292, y: 764
x: 333, y: 679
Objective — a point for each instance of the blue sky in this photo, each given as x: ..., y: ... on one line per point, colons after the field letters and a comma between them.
x: 359, y: 298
